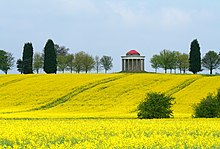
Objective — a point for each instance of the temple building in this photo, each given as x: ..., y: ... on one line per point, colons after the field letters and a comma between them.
x: 132, y: 62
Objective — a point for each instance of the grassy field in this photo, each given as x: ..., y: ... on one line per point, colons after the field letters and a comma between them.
x: 99, y: 111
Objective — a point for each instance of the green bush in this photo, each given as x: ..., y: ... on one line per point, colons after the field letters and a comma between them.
x: 209, y: 107
x: 155, y: 105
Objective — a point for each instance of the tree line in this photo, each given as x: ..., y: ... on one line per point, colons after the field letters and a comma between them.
x: 173, y: 60
x: 57, y: 58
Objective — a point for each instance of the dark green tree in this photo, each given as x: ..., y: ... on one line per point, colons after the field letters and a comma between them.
x: 211, y: 61
x: 155, y: 105
x: 106, y: 63
x: 61, y: 50
x: 27, y: 58
x: 38, y: 61
x: 20, y: 66
x: 6, y: 61
x: 209, y: 107
x: 195, y: 57
x: 50, y: 57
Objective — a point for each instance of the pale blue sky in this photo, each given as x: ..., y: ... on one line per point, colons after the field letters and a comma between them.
x: 110, y: 27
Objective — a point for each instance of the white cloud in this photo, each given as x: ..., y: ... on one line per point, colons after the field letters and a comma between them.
x: 129, y: 16
x: 143, y: 15
x: 173, y: 17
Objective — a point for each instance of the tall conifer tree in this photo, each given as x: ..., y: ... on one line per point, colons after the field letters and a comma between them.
x: 27, y: 58
x: 195, y: 57
x: 50, y: 57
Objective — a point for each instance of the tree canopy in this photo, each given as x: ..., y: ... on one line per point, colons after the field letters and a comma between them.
x: 155, y: 105
x: 20, y: 66
x: 6, y: 61
x: 61, y: 50
x: 38, y: 61
x: 106, y: 63
x: 70, y: 62
x: 155, y: 62
x: 211, y: 61
x: 88, y: 62
x: 97, y: 66
x: 170, y: 60
x: 27, y: 58
x: 182, y: 62
x: 50, y: 57
x: 209, y: 107
x: 195, y: 57
x: 62, y: 62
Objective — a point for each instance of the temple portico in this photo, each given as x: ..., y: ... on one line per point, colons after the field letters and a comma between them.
x: 133, y: 62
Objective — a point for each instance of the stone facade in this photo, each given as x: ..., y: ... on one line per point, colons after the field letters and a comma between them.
x: 133, y: 62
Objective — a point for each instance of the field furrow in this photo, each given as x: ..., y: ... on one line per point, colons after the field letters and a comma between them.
x: 182, y: 85
x: 75, y: 92
x: 97, y: 95
x: 4, y: 81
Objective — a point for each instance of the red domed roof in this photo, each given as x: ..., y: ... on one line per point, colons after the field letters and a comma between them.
x: 133, y: 52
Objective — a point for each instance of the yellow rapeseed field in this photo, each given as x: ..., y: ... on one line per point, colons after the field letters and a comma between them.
x: 97, y: 95
x: 99, y: 111
x: 109, y: 133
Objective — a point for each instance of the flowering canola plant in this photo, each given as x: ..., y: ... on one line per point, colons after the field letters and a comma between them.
x: 109, y: 133
x: 97, y: 95
x: 99, y: 110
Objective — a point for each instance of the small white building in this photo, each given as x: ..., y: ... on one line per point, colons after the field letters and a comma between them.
x: 133, y: 62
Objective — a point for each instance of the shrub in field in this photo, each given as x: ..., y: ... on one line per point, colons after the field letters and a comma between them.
x: 155, y: 105
x: 209, y: 107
